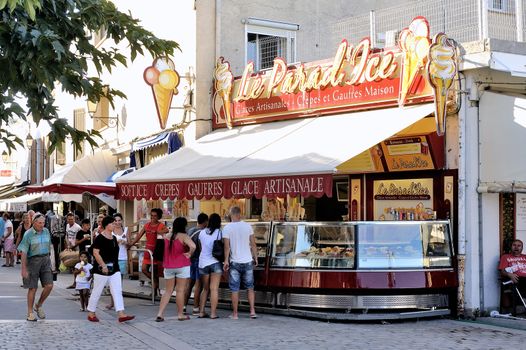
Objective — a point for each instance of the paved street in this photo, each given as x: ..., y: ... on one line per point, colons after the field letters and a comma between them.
x: 67, y: 328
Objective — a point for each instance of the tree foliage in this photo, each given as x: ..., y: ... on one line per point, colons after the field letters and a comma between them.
x: 46, y: 44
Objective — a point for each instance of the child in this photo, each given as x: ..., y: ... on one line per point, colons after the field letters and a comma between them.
x: 82, y: 278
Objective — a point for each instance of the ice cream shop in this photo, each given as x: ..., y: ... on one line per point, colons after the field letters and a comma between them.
x: 346, y: 169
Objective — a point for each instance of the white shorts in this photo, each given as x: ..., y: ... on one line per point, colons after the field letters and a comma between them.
x: 181, y: 272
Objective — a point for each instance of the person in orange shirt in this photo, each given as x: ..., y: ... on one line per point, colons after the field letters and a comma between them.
x: 153, y: 229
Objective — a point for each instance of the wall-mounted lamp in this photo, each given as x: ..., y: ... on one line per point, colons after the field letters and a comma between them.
x: 111, y: 122
x: 5, y: 156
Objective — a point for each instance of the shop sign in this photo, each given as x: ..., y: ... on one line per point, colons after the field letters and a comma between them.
x: 6, y: 173
x: 270, y: 187
x: 413, y: 191
x: 406, y: 199
x: 358, y: 77
x: 163, y: 79
x: 18, y: 207
x: 407, y: 153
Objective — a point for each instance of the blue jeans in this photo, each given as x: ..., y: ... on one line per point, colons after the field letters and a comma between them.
x: 241, y: 273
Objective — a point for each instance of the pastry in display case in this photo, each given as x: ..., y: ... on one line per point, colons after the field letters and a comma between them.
x: 313, y: 245
x: 261, y: 235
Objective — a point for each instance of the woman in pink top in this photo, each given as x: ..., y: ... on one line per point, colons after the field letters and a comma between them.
x: 177, y: 252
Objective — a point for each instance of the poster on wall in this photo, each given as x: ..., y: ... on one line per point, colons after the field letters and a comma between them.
x: 408, y: 199
x: 520, y: 216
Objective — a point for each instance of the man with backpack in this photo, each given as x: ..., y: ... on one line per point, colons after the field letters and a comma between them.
x: 202, y: 222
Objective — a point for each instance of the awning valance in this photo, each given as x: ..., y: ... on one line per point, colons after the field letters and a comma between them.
x: 88, y: 174
x: 274, y: 159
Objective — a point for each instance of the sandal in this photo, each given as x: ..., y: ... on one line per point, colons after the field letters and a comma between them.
x: 214, y: 317
x: 253, y: 316
x: 31, y: 317
x: 184, y: 318
x: 203, y: 316
x: 159, y: 319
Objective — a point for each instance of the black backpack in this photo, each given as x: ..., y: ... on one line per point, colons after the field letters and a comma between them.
x: 195, y: 238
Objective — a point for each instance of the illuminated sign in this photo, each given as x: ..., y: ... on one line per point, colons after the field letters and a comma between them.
x: 358, y: 77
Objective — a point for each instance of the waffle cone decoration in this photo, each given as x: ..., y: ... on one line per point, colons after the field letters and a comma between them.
x: 223, y: 86
x: 163, y: 79
x: 414, y: 42
x: 442, y: 69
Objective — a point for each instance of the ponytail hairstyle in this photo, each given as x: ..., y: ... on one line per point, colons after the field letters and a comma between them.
x: 214, y: 223
x: 179, y: 226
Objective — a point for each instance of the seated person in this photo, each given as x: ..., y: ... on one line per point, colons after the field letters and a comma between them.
x: 513, y: 266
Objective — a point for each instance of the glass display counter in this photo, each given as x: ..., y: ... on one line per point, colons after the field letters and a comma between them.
x: 355, y: 266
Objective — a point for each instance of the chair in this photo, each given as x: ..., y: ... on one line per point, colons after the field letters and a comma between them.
x: 510, y: 298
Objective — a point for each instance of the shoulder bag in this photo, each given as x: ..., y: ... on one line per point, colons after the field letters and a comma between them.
x: 218, y: 249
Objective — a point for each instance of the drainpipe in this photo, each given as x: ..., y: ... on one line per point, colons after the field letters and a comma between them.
x: 218, y: 29
x: 462, y: 200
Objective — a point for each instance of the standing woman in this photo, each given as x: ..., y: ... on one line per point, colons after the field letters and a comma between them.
x: 9, y: 242
x: 210, y: 269
x: 106, y: 271
x: 122, y: 238
x: 24, y: 226
x: 177, y: 252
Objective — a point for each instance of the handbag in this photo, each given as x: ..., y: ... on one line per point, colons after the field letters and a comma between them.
x: 158, y: 251
x: 218, y: 249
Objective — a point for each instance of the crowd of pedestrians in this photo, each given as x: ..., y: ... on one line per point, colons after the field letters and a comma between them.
x: 190, y: 259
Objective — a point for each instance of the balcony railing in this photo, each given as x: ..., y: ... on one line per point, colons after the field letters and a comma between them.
x: 463, y: 20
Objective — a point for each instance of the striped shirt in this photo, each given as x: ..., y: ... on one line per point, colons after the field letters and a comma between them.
x: 35, y: 243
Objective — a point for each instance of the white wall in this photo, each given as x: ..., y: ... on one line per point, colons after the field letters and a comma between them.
x: 490, y: 250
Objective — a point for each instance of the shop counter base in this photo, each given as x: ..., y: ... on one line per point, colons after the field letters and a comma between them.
x: 264, y: 305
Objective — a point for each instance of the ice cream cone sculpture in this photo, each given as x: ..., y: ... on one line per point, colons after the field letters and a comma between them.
x: 163, y: 79
x: 414, y: 42
x: 442, y: 69
x: 223, y: 85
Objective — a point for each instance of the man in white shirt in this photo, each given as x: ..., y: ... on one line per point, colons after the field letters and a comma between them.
x: 71, y: 235
x: 240, y: 259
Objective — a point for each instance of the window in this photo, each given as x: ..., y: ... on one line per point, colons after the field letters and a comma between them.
x: 499, y: 5
x: 79, y: 123
x: 101, y: 115
x: 99, y: 36
x: 267, y: 40
x: 60, y: 153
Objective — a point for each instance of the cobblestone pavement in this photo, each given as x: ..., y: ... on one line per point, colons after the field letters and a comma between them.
x: 67, y: 328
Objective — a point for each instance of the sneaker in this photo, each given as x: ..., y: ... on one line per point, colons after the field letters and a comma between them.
x: 31, y: 317
x: 40, y: 312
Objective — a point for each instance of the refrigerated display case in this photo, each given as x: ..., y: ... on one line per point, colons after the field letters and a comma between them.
x: 363, y: 267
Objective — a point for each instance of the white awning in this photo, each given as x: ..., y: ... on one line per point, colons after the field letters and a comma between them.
x: 502, y: 133
x: 305, y: 146
x: 19, y: 204
x: 91, y: 168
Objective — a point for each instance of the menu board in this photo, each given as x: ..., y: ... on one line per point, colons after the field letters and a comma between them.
x: 520, y: 216
x: 408, y: 199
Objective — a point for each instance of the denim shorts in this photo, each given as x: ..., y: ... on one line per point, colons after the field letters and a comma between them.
x: 241, y: 274
x: 181, y: 272
x: 194, y: 270
x: 214, y: 268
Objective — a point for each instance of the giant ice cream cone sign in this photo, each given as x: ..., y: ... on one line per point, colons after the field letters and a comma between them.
x: 414, y: 42
x: 163, y: 79
x: 223, y: 87
x: 441, y: 69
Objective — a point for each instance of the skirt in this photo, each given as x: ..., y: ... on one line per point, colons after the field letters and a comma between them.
x: 9, y: 246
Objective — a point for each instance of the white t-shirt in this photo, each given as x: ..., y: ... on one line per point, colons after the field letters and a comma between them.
x: 121, y: 239
x: 207, y: 242
x: 87, y: 273
x: 71, y: 233
x: 7, y: 225
x: 239, y: 235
